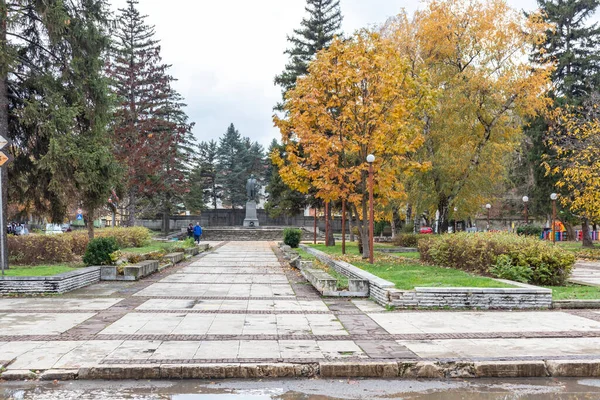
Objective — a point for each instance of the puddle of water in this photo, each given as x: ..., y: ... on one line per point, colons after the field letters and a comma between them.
x: 307, y: 389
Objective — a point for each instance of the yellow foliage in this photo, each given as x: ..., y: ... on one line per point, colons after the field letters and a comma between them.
x: 575, y: 159
x: 361, y: 96
x: 476, y: 56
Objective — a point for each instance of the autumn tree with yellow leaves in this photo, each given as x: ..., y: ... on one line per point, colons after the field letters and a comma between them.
x: 361, y: 96
x: 476, y: 55
x: 574, y: 139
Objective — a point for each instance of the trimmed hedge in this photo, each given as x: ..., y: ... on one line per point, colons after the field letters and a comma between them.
x: 407, y: 239
x: 36, y: 249
x: 530, y: 230
x: 479, y: 252
x: 40, y: 249
x: 127, y: 237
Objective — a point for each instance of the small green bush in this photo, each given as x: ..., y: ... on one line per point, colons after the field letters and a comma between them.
x: 529, y: 230
x: 99, y: 251
x: 407, y: 240
x: 504, y: 269
x: 479, y: 252
x: 292, y: 237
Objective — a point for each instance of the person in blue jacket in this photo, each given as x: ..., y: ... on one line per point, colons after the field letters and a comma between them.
x: 197, y: 232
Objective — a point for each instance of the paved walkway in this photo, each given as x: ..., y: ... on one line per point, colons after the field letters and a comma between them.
x: 240, y: 304
x: 586, y: 273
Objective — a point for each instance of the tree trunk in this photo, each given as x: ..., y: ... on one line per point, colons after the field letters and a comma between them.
x: 570, y: 230
x: 114, y: 217
x: 443, y: 215
x: 3, y: 129
x: 350, y: 223
x: 90, y: 224
x: 364, y: 227
x: 131, y: 208
x: 330, y: 240
x: 166, y: 222
x: 585, y: 232
x: 409, y: 212
x: 393, y: 225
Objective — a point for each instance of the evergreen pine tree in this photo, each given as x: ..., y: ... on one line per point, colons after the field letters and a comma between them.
x: 231, y: 171
x: 151, y: 133
x: 572, y: 45
x: 282, y: 201
x: 51, y: 74
x: 207, y: 162
x: 317, y: 31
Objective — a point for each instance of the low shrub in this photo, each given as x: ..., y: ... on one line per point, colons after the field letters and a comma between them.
x: 407, y: 240
x: 127, y: 237
x: 99, y: 251
x: 504, y: 269
x: 79, y: 241
x: 530, y: 230
x: 40, y: 249
x: 292, y: 237
x: 479, y: 252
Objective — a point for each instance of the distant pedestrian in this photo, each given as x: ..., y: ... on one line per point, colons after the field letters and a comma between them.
x: 190, y: 231
x: 197, y: 232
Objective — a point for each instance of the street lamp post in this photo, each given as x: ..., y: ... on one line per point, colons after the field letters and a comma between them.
x: 553, y: 197
x: 525, y: 201
x: 488, y: 206
x: 370, y: 160
x: 455, y: 210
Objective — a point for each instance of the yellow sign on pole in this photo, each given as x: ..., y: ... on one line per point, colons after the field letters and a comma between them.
x: 3, y: 158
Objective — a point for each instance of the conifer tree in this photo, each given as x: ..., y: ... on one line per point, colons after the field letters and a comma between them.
x: 51, y: 65
x: 152, y: 135
x: 572, y: 45
x: 237, y: 158
x: 231, y: 174
x: 207, y: 160
x: 317, y: 31
x: 282, y: 200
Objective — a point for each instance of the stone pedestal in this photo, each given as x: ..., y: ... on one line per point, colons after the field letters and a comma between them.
x: 251, y: 220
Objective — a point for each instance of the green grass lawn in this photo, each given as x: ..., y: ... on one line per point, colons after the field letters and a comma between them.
x: 575, y: 292
x: 39, y: 270
x: 407, y: 275
x: 411, y: 254
x: 575, y: 246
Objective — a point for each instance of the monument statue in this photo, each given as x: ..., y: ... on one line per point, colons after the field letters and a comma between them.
x: 251, y: 188
x: 251, y: 220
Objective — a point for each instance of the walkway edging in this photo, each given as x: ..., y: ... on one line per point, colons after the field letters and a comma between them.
x: 326, y: 369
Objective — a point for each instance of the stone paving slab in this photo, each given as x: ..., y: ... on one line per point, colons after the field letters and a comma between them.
x: 239, y: 311
x: 444, y: 322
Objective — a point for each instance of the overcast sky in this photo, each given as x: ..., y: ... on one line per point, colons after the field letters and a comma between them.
x: 225, y: 54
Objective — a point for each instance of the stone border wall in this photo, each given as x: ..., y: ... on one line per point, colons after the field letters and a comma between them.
x: 55, y: 284
x: 378, y: 287
x: 522, y: 296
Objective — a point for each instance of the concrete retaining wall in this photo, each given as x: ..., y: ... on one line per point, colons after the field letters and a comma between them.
x: 481, y: 298
x: 56, y: 284
x: 384, y: 292
x: 378, y: 287
x: 251, y: 234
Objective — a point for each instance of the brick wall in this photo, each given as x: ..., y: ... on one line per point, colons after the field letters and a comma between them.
x: 56, y: 284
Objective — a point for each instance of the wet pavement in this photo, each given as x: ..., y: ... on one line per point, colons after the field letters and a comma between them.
x: 313, y: 389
